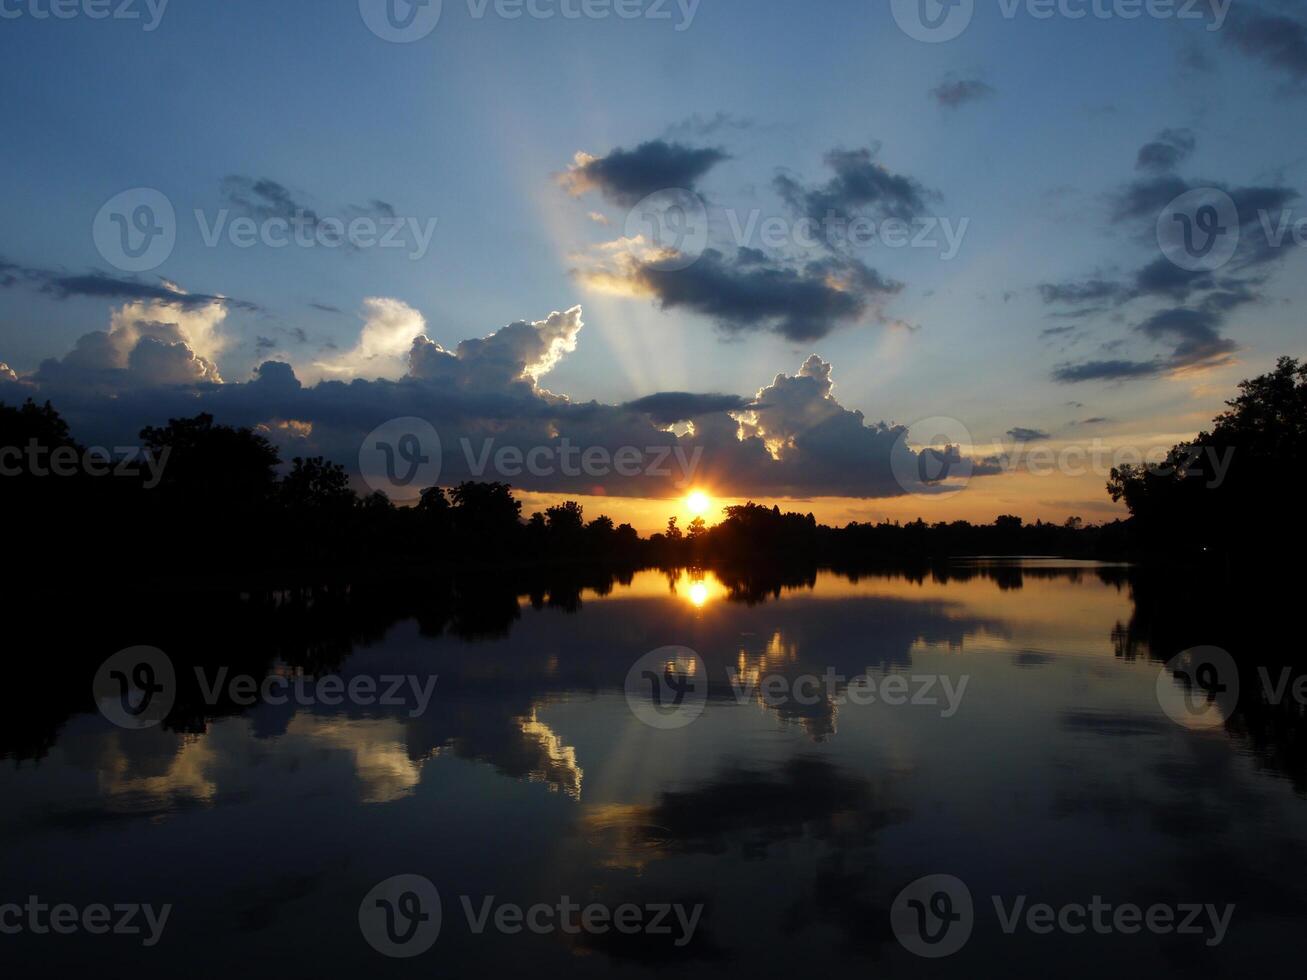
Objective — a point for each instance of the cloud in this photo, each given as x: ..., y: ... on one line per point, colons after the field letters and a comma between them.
x: 670, y: 407
x: 100, y: 285
x: 698, y: 126
x: 626, y: 177
x: 520, y: 353
x: 1171, y: 148
x: 860, y: 187
x: 1116, y: 370
x: 954, y: 92
x: 751, y: 292
x: 1199, y: 300
x: 792, y: 439
x: 1280, y: 42
x: 7, y: 373
x: 382, y: 350
x: 267, y: 200
x: 148, y: 344
x: 1021, y: 434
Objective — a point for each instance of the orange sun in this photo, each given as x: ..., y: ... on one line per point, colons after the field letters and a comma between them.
x: 698, y: 503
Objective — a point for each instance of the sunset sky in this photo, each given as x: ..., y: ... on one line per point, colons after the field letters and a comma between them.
x: 1046, y: 316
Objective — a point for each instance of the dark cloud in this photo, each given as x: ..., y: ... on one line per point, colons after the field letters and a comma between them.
x: 1106, y: 371
x: 1171, y: 148
x: 670, y: 407
x: 265, y: 200
x: 953, y: 92
x: 861, y: 186
x: 751, y: 292
x: 1200, y: 299
x: 1280, y: 42
x: 1021, y: 434
x: 1195, y: 336
x: 100, y: 285
x: 626, y: 177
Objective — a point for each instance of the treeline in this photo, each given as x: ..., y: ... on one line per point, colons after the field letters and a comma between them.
x: 205, y: 498
x: 1229, y: 497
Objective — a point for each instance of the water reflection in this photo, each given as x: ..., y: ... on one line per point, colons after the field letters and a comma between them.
x: 530, y: 777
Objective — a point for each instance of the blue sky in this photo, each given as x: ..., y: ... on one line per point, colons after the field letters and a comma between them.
x: 472, y: 125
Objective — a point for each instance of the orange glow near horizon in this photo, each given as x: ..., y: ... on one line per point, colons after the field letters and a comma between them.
x: 698, y: 503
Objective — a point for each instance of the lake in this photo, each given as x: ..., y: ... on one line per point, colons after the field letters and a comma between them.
x: 984, y: 768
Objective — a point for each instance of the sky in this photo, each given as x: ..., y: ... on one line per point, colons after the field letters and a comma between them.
x: 866, y: 236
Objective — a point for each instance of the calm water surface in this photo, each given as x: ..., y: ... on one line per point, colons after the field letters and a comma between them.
x: 795, y: 822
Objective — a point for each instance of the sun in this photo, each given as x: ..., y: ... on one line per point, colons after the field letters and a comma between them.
x: 698, y: 503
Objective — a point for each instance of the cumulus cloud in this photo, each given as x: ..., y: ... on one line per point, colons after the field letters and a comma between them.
x: 7, y: 373
x: 793, y: 438
x: 148, y: 344
x: 389, y: 329
x: 954, y: 92
x: 626, y: 177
